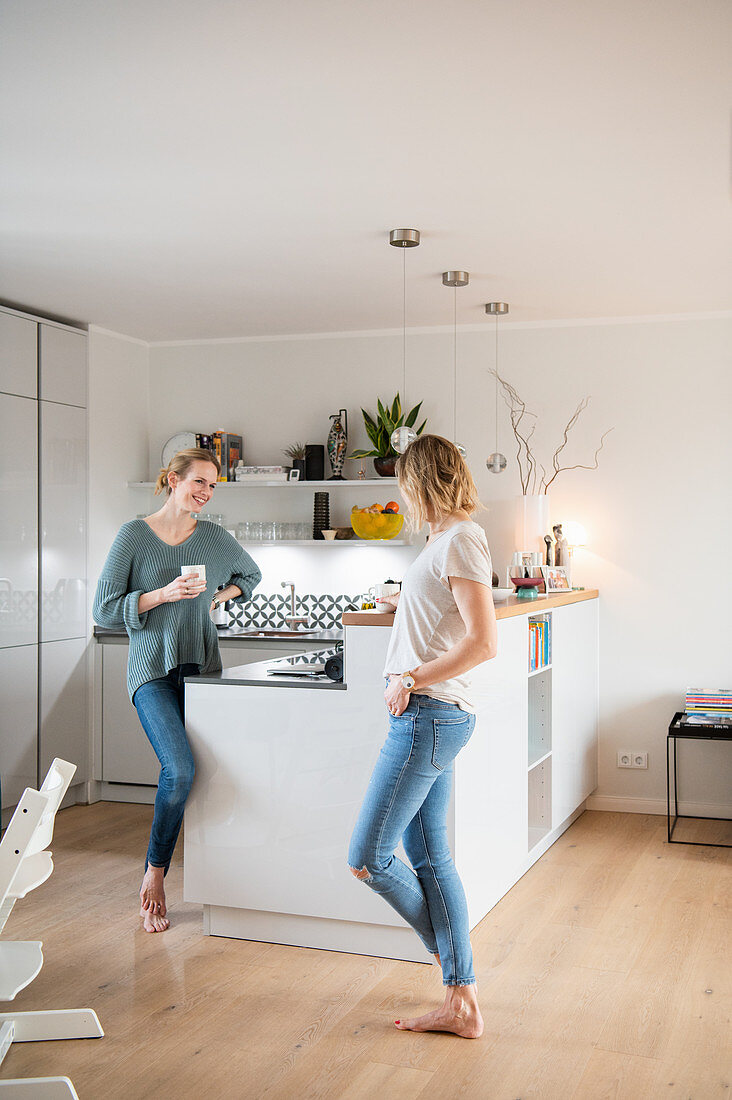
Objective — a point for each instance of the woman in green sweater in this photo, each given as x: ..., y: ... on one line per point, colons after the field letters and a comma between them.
x: 167, y: 617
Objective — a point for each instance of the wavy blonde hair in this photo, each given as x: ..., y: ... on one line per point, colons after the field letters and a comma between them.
x: 434, y: 478
x: 181, y: 463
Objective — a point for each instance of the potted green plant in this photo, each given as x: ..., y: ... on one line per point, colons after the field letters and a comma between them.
x: 379, y: 431
x: 296, y: 454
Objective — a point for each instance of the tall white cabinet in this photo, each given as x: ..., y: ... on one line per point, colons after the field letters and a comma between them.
x: 43, y: 570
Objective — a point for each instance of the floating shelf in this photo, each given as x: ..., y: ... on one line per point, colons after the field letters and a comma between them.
x: 282, y: 484
x: 326, y: 542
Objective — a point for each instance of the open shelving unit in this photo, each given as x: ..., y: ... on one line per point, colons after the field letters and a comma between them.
x: 299, y: 486
x: 283, y: 484
x: 325, y: 542
x: 539, y: 764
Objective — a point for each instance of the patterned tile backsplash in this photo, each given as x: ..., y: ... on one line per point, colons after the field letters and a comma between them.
x: 323, y: 612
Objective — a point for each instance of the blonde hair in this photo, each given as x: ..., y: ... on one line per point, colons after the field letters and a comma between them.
x: 181, y: 463
x: 435, y: 478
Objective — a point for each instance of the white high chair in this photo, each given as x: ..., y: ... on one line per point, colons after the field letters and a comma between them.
x: 24, y: 865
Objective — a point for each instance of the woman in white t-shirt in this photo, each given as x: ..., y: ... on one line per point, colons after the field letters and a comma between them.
x: 445, y: 625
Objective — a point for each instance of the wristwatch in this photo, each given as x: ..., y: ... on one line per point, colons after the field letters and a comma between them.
x: 408, y: 681
x: 216, y: 603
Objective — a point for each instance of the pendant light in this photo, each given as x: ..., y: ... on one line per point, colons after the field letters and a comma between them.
x: 496, y: 462
x: 404, y: 239
x: 455, y: 279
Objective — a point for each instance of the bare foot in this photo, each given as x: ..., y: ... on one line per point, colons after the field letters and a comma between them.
x: 152, y: 901
x: 151, y: 922
x: 459, y: 1015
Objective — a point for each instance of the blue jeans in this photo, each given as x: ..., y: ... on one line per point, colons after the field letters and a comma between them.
x: 160, y: 707
x: 407, y: 799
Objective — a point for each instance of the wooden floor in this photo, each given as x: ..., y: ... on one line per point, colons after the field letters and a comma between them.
x: 605, y: 972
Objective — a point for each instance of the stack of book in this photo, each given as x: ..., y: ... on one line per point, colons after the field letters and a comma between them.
x: 538, y: 644
x: 228, y: 448
x: 261, y: 473
x: 706, y: 705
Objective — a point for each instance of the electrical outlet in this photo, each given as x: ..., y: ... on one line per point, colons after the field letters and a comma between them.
x: 625, y: 759
x: 640, y: 759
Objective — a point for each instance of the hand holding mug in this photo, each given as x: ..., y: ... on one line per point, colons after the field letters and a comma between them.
x: 191, y: 583
x: 385, y: 594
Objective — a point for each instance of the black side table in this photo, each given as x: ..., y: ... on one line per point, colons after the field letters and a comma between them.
x: 680, y: 729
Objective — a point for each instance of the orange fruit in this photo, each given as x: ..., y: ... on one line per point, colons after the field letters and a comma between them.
x: 393, y: 505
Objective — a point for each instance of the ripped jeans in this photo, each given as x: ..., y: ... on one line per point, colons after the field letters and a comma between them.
x: 407, y: 799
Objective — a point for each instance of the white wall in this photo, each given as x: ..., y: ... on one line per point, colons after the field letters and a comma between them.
x: 656, y: 511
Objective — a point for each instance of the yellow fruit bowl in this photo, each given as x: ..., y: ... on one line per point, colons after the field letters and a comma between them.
x: 375, y: 525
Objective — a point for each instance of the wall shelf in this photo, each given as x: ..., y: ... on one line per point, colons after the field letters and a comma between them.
x: 282, y: 484
x: 325, y: 542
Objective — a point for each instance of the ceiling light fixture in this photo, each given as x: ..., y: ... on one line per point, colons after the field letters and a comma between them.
x: 496, y: 462
x: 455, y: 279
x: 403, y: 238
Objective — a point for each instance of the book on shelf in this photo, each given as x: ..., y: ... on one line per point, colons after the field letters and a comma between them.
x: 724, y: 721
x: 538, y: 644
x: 228, y: 448
x: 261, y: 473
x: 708, y: 701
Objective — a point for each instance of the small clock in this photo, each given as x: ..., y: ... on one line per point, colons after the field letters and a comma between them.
x: 181, y: 441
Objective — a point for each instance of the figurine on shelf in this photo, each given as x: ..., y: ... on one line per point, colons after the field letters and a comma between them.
x: 337, y: 444
x: 561, y: 551
x: 549, y: 550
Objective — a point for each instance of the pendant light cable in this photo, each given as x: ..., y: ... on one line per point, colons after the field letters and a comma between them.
x: 454, y: 363
x: 496, y: 462
x: 496, y: 383
x: 404, y: 328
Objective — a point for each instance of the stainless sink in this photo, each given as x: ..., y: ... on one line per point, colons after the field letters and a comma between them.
x: 273, y: 632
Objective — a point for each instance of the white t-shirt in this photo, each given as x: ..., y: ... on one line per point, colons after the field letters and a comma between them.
x: 427, y: 621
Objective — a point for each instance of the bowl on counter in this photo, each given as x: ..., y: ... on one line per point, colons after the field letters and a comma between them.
x: 377, y: 525
x: 344, y: 533
x: 528, y: 587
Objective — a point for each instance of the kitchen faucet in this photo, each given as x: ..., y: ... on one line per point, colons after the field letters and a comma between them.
x: 293, y: 620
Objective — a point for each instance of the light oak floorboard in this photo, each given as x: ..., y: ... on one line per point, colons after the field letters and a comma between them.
x: 603, y: 973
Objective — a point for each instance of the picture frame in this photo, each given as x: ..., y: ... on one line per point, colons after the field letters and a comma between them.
x: 555, y: 578
x: 294, y: 475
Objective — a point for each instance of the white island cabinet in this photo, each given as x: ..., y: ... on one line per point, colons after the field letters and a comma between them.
x: 282, y: 766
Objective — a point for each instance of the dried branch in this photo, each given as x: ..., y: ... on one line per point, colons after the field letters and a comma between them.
x: 580, y: 465
x: 524, y: 455
x: 517, y: 411
x: 572, y: 421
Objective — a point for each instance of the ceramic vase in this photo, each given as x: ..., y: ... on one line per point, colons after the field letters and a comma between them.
x: 337, y: 444
x: 385, y: 467
x: 532, y: 523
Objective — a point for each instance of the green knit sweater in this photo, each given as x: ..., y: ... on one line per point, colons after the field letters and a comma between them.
x: 173, y: 633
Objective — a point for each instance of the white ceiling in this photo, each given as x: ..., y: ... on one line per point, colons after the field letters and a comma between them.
x: 177, y: 170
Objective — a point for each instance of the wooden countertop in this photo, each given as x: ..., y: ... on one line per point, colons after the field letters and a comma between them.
x: 505, y: 609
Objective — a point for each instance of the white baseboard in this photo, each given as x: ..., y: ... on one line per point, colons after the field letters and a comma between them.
x: 623, y: 805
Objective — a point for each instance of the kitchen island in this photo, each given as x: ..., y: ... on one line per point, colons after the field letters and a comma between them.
x: 126, y: 768
x: 282, y: 765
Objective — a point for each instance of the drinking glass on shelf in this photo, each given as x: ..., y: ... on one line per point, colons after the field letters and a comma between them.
x: 291, y: 531
x: 280, y: 531
x: 215, y: 517
x: 268, y: 531
x: 304, y: 531
x: 254, y: 531
x: 242, y: 532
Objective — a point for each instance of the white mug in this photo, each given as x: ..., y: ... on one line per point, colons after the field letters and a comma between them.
x: 380, y: 590
x: 188, y: 570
